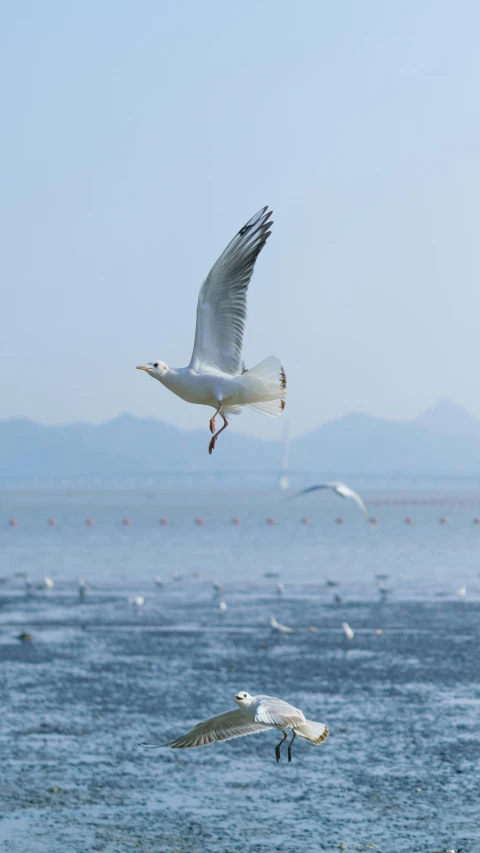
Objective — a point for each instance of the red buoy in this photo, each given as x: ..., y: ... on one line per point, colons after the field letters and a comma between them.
x: 89, y: 522
x: 305, y: 520
x: 52, y: 522
x: 235, y: 521
x: 443, y: 520
x: 340, y: 520
x: 199, y: 521
x: 13, y: 522
x: 163, y: 521
x: 270, y: 521
x: 409, y: 520
x: 126, y: 522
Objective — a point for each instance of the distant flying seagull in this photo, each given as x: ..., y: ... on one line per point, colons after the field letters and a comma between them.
x: 461, y: 593
x: 254, y: 714
x: 277, y: 626
x: 216, y: 375
x: 340, y: 489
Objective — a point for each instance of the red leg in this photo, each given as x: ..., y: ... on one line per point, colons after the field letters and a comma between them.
x: 213, y: 440
x: 212, y: 419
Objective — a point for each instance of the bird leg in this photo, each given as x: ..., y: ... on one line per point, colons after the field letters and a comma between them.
x: 290, y: 746
x: 213, y: 440
x: 277, y: 748
x: 212, y: 419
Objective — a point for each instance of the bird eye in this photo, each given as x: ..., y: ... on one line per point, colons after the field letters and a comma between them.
x: 156, y: 364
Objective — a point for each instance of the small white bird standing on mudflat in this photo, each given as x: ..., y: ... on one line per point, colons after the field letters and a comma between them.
x: 216, y: 375
x: 349, y: 632
x: 82, y: 587
x: 254, y: 714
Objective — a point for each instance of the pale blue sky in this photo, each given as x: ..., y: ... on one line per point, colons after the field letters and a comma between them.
x: 137, y: 137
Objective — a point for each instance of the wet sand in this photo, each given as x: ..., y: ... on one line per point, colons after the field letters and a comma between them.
x: 399, y: 770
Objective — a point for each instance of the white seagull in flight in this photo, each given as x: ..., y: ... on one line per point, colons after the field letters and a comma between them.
x: 277, y: 626
x: 254, y: 714
x: 340, y: 489
x: 216, y: 375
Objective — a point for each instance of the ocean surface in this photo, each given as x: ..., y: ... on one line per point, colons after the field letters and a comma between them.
x: 100, y: 674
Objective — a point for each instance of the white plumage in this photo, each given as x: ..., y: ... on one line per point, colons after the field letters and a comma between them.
x: 277, y: 626
x: 216, y: 375
x: 254, y: 714
x: 340, y: 489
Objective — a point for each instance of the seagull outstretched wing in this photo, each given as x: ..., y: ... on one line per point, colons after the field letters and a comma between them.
x: 340, y: 489
x: 222, y: 302
x: 222, y: 727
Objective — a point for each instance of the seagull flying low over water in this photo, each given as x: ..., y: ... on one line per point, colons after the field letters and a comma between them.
x: 216, y: 375
x: 277, y: 626
x: 254, y: 714
x: 340, y: 489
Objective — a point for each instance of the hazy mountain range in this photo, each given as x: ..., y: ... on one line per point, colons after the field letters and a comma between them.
x: 443, y: 440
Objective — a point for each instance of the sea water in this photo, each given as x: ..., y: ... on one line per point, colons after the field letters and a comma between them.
x: 400, y: 769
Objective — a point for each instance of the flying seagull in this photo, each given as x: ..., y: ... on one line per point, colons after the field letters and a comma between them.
x: 340, y: 489
x: 254, y: 714
x: 216, y: 375
x: 277, y: 626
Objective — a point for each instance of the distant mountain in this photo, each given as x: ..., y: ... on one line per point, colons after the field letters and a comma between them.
x: 359, y: 443
x: 446, y: 418
x: 124, y: 445
x: 443, y: 441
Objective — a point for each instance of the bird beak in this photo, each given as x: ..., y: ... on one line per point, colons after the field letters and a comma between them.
x: 143, y: 367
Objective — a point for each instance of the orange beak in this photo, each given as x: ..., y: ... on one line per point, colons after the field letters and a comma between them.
x: 143, y: 367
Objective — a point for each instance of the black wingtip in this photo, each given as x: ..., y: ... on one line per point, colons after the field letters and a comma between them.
x: 264, y: 214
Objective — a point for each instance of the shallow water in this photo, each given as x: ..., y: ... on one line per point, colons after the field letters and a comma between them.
x: 400, y: 768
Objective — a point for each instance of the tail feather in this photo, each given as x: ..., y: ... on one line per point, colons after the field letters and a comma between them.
x: 268, y: 384
x: 314, y: 732
x: 271, y: 408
